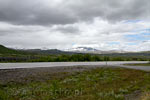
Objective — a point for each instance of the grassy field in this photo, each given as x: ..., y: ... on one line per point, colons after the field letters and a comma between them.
x: 95, y: 84
x: 143, y: 64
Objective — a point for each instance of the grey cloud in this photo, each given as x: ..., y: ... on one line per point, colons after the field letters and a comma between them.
x: 114, y: 10
x: 29, y: 12
x: 10, y: 30
x: 136, y: 9
x: 53, y: 23
x: 41, y: 12
x: 67, y: 29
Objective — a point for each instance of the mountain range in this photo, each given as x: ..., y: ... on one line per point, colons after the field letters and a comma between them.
x: 93, y: 50
x: 10, y: 51
x: 5, y: 50
x: 79, y: 50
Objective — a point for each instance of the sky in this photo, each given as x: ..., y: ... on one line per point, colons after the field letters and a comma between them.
x: 63, y: 24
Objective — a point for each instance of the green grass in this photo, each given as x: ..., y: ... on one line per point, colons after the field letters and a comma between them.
x: 96, y: 84
x: 142, y: 64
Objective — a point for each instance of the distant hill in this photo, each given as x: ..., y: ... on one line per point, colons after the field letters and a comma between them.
x: 112, y: 53
x: 133, y: 54
x: 93, y: 50
x: 80, y: 50
x: 47, y: 52
x: 5, y: 50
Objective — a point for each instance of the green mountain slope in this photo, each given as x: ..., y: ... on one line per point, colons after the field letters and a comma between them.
x: 5, y: 50
x: 48, y: 52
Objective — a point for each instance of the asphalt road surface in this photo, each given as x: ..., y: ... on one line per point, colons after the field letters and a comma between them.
x: 59, y: 64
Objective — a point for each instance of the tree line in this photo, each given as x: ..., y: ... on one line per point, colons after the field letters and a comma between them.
x: 71, y: 58
x: 86, y: 57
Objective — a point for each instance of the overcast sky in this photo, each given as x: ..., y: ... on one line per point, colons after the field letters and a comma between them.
x: 63, y: 24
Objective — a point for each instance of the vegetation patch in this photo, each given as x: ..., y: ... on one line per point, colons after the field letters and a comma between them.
x: 141, y: 64
x: 95, y: 84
